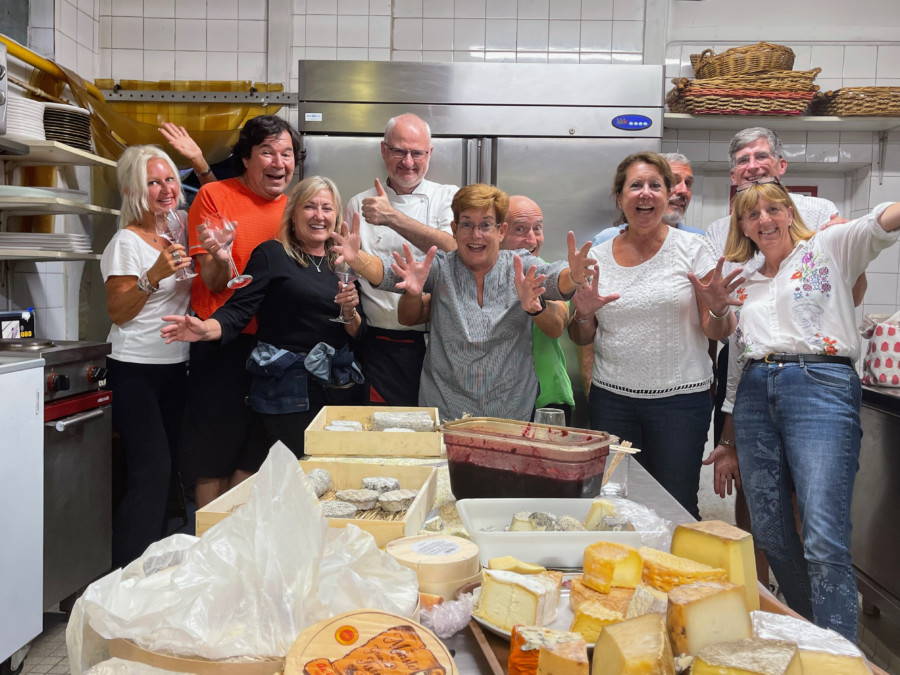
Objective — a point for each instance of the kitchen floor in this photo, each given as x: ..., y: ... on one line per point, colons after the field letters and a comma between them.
x: 881, y: 644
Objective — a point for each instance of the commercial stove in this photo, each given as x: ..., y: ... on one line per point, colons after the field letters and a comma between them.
x: 77, y: 462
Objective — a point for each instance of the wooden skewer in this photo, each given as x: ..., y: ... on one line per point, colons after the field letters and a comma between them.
x: 621, y: 451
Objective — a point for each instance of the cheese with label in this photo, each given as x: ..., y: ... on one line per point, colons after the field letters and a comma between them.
x: 564, y: 658
x: 749, y: 657
x: 509, y: 564
x: 718, y: 544
x: 646, y: 600
x: 636, y: 646
x: 617, y: 599
x: 599, y: 509
x: 525, y: 646
x: 706, y: 613
x: 508, y: 598
x: 591, y: 617
x: 609, y: 564
x: 665, y: 571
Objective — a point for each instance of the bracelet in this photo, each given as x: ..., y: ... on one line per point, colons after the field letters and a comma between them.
x: 368, y: 260
x: 543, y: 307
x: 349, y: 318
x: 204, y: 174
x: 716, y: 316
x: 577, y: 320
x: 144, y: 285
x: 725, y: 441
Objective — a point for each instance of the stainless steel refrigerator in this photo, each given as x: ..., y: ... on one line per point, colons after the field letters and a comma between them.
x: 553, y: 132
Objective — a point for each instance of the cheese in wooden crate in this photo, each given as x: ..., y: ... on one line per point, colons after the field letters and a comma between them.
x: 370, y: 443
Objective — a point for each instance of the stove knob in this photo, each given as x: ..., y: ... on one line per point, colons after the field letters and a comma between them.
x: 96, y: 373
x: 57, y: 382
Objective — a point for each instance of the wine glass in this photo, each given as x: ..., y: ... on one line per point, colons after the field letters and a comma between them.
x: 347, y: 276
x: 171, y: 226
x: 223, y: 232
x: 552, y: 416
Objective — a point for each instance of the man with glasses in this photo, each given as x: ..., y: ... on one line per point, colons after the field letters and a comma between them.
x: 406, y: 209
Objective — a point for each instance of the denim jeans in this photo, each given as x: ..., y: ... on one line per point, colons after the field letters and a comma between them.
x: 797, y: 425
x: 670, y: 432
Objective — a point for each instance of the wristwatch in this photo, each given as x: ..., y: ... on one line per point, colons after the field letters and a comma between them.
x: 543, y: 307
x: 144, y: 285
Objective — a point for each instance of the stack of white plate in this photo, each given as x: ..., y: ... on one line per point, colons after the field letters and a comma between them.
x: 25, y: 119
x: 68, y: 124
x: 74, y: 243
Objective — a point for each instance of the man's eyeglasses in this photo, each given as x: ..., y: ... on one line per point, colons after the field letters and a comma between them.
x: 484, y: 228
x: 400, y: 153
x: 762, y: 181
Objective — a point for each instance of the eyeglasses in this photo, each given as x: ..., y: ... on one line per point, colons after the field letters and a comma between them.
x: 762, y: 181
x: 400, y: 153
x: 484, y: 228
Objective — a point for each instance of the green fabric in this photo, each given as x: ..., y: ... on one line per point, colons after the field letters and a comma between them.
x: 550, y: 368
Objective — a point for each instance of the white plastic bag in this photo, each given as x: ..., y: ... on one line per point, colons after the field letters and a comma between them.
x: 248, y: 587
x: 655, y: 531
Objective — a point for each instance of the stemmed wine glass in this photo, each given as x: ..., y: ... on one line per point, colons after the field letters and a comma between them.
x: 347, y: 276
x: 171, y: 226
x: 223, y: 232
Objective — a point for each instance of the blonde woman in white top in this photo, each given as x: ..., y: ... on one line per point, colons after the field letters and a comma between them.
x: 796, y: 405
x: 649, y: 318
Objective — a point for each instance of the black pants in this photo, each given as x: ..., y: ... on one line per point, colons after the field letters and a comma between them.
x: 147, y: 408
x: 392, y: 360
x: 721, y: 387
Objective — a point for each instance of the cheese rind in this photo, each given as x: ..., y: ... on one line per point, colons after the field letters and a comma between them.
x: 609, y: 564
x: 617, y: 599
x: 525, y: 646
x: 719, y: 544
x: 564, y: 658
x: 706, y: 613
x: 507, y: 598
x: 636, y: 646
x: 645, y: 600
x: 509, y: 564
x: 591, y: 617
x: 665, y: 571
x: 749, y: 657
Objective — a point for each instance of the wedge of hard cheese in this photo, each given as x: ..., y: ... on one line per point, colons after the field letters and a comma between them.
x: 508, y: 598
x: 591, y: 617
x: 665, y: 571
x: 706, y: 613
x: 718, y: 544
x: 609, y: 564
x: 600, y: 508
x: 749, y: 657
x: 645, y: 600
x: 526, y: 643
x: 509, y: 564
x: 637, y: 646
x: 617, y: 599
x: 564, y: 658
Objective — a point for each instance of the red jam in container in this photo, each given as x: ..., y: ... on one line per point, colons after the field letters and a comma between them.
x: 489, y: 457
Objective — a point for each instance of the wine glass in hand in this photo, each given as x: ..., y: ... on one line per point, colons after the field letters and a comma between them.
x: 170, y: 225
x: 223, y: 232
x: 347, y: 276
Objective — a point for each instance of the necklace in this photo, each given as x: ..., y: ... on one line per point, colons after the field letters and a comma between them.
x: 318, y: 265
x: 145, y: 233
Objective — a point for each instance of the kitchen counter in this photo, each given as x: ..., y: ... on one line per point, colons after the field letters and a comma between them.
x: 887, y: 398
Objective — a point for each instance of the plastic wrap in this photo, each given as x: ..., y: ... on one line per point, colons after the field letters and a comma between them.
x: 655, y: 532
x: 248, y: 587
x: 449, y: 617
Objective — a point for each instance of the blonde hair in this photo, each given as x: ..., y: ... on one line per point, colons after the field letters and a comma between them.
x: 131, y: 173
x: 739, y: 247
x: 303, y: 191
x: 480, y: 196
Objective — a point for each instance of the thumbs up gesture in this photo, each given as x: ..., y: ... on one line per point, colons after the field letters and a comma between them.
x: 377, y: 210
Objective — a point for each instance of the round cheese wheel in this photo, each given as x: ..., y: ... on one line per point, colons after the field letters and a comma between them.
x: 377, y: 641
x: 436, y: 557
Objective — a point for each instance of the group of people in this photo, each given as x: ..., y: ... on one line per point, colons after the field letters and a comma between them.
x: 454, y: 309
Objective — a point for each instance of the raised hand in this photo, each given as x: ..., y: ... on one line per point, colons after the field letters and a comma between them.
x: 581, y: 267
x: 347, y: 242
x: 183, y: 329
x: 716, y: 293
x: 179, y: 138
x: 529, y: 286
x: 377, y: 210
x: 588, y: 300
x: 412, y: 272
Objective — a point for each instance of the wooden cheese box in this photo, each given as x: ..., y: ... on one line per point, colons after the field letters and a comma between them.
x: 346, y: 475
x: 369, y: 443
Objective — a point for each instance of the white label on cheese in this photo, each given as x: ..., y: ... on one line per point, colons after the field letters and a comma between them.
x: 435, y: 547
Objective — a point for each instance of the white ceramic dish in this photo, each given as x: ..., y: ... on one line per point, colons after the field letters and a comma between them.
x: 550, y: 549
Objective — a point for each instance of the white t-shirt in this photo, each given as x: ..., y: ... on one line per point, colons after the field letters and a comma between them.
x: 429, y: 203
x: 138, y: 340
x: 649, y: 343
x: 807, y: 307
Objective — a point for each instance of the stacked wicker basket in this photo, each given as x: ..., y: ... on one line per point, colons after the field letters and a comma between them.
x: 858, y: 101
x: 752, y: 80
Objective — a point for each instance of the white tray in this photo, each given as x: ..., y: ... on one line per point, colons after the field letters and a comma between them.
x: 564, y: 614
x: 550, y: 549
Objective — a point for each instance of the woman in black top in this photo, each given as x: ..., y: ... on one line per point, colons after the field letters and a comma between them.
x: 292, y: 297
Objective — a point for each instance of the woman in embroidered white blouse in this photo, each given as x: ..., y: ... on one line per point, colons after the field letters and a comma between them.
x: 796, y: 405
x: 651, y: 373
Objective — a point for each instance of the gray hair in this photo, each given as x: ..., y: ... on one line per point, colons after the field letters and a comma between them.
x: 675, y: 158
x: 131, y: 172
x: 391, y: 123
x: 751, y: 134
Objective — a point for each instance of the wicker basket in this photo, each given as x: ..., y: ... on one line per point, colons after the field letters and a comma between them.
x: 762, y: 57
x: 773, y: 93
x: 850, y: 101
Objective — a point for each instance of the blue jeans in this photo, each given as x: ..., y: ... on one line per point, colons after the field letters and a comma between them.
x: 670, y: 431
x: 797, y: 425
